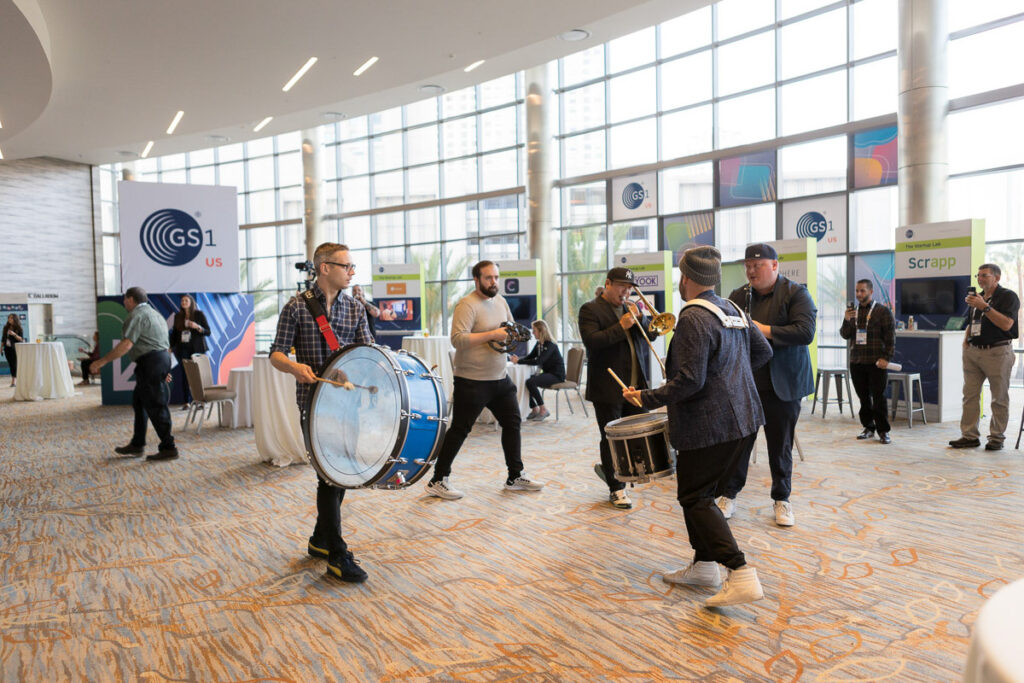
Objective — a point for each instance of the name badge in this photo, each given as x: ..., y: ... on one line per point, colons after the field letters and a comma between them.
x: 862, y: 338
x: 975, y: 329
x: 186, y: 336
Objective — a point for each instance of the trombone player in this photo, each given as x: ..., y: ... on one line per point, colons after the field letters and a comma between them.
x: 616, y: 337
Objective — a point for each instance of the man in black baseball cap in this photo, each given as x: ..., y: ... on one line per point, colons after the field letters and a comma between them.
x: 760, y: 251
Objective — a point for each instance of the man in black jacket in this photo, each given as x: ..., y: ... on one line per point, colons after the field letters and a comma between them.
x: 614, y: 340
x: 871, y: 329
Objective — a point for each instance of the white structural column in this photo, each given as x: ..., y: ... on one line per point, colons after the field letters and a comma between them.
x: 311, y: 191
x: 923, y: 104
x: 539, y: 177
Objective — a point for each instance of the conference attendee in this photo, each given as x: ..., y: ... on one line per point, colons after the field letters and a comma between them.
x: 144, y: 340
x: 785, y: 314
x: 188, y: 334
x: 613, y: 339
x: 94, y: 355
x: 297, y: 328
x: 713, y: 415
x: 872, y: 332
x: 988, y: 355
x: 12, y: 334
x: 373, y: 313
x: 481, y: 381
x: 548, y: 358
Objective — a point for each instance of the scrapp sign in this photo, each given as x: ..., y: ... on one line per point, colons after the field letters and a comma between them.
x: 936, y: 249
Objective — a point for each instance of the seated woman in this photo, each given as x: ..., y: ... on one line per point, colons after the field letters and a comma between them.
x: 545, y: 353
x: 94, y: 355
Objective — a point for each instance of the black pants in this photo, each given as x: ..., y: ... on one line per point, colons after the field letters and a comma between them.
x: 869, y: 382
x: 12, y: 360
x: 182, y: 353
x: 469, y: 399
x: 327, y: 532
x: 149, y: 400
x: 780, y: 423
x: 542, y: 381
x: 605, y: 413
x: 86, y: 363
x: 699, y: 473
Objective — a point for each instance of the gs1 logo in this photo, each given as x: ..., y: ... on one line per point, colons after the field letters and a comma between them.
x: 813, y: 224
x: 633, y: 195
x: 173, y: 238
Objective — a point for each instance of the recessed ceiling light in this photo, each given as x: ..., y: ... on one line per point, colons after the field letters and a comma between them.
x: 217, y: 138
x: 332, y: 115
x: 473, y: 65
x: 431, y: 89
x: 575, y: 35
x: 260, y: 126
x: 145, y: 152
x: 299, y: 74
x: 126, y: 153
x: 174, y: 123
x: 366, y: 65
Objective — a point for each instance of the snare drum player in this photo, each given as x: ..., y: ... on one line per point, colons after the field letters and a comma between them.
x: 713, y: 416
x: 481, y: 381
x: 297, y: 328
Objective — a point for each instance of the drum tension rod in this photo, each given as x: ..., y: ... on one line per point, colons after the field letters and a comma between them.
x: 431, y: 418
x: 411, y: 416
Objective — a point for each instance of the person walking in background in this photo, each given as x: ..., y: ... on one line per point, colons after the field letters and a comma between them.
x: 13, y: 334
x: 546, y: 355
x: 188, y: 334
x: 372, y: 312
x: 94, y: 355
x: 871, y: 329
x: 988, y: 354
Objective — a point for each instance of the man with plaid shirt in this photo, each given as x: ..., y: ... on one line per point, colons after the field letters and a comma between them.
x: 871, y: 328
x: 296, y: 328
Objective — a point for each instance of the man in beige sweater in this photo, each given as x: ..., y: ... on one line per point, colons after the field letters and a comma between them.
x: 481, y: 382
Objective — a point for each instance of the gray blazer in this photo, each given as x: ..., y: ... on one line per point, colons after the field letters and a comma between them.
x: 710, y: 391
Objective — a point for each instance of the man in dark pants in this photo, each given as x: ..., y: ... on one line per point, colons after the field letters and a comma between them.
x: 145, y: 341
x: 785, y: 313
x: 713, y: 415
x: 481, y: 381
x: 871, y: 329
x: 613, y: 340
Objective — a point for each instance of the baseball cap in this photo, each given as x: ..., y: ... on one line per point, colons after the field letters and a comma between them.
x: 620, y: 274
x: 761, y: 250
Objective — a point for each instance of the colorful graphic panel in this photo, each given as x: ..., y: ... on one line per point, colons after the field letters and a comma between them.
x: 747, y: 179
x: 880, y: 269
x: 874, y: 157
x: 687, y: 230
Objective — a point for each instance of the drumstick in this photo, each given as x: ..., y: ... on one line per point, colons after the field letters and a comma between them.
x: 337, y: 384
x: 644, y: 335
x: 636, y: 401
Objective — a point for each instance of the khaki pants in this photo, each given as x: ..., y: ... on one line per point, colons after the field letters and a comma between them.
x: 995, y: 365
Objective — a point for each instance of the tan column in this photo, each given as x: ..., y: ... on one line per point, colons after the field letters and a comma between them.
x: 540, y: 107
x: 315, y: 232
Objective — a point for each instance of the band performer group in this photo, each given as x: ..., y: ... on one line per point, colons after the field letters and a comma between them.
x: 481, y: 381
x: 613, y: 339
x: 297, y: 328
x: 871, y: 329
x: 713, y: 415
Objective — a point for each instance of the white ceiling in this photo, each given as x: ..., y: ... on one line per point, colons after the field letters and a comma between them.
x: 92, y: 80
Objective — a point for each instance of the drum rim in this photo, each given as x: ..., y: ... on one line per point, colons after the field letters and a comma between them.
x: 442, y: 424
x: 403, y: 424
x: 627, y: 426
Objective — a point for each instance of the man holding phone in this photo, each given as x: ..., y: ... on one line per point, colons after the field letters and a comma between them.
x: 871, y: 330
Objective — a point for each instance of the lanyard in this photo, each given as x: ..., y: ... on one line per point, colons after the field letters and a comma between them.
x: 976, y: 315
x: 868, y: 319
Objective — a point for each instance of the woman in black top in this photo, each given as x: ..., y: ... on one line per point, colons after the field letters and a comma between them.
x: 545, y: 353
x: 12, y: 335
x: 189, y: 334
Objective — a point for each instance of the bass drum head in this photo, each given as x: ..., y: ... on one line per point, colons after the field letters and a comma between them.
x: 635, y: 425
x: 353, y: 433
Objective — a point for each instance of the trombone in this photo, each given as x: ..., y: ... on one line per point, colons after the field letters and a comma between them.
x: 661, y: 324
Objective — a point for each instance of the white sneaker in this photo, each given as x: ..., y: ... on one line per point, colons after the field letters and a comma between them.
x: 740, y: 586
x: 726, y: 505
x: 784, y: 513
x: 620, y: 499
x: 442, y: 489
x: 522, y: 483
x: 695, y: 574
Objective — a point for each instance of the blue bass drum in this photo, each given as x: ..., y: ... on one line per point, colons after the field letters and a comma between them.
x: 382, y: 427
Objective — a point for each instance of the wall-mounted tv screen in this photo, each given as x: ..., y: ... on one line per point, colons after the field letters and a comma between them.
x: 928, y: 297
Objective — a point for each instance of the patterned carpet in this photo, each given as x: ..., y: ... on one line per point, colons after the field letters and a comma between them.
x: 195, y: 569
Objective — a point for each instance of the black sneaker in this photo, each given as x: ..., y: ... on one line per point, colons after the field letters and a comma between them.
x: 599, y: 471
x: 130, y: 450
x: 994, y: 446
x: 885, y: 438
x: 866, y: 434
x: 345, y: 566
x: 317, y: 548
x: 164, y: 454
x: 965, y: 443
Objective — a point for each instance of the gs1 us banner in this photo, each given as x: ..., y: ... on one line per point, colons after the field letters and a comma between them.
x: 634, y: 197
x: 823, y: 218
x: 178, y: 238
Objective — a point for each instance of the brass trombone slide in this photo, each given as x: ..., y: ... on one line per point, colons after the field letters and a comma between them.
x: 662, y: 323
x: 629, y: 307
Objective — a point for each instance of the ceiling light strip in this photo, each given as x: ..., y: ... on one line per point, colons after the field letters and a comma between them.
x: 1, y: 154
x: 473, y: 65
x: 175, y: 122
x: 262, y: 124
x: 299, y: 74
x: 366, y: 65
x: 145, y: 152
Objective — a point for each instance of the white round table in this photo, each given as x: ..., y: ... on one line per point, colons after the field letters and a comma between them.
x: 275, y: 415
x: 518, y: 374
x: 240, y: 382
x: 996, y: 652
x: 434, y: 351
x: 42, y: 372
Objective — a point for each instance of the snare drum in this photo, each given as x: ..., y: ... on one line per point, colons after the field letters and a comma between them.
x: 386, y: 430
x: 639, y: 447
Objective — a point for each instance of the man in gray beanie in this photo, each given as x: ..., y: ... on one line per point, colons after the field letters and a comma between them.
x: 713, y: 416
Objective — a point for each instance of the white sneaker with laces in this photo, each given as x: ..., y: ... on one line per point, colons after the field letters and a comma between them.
x: 726, y: 505
x: 522, y: 483
x: 620, y: 499
x: 784, y: 513
x: 695, y: 574
x: 442, y: 489
x: 740, y: 586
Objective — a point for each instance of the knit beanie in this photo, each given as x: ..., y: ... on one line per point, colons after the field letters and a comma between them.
x: 703, y: 265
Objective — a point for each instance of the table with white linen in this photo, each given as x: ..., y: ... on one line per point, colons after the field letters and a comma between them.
x: 434, y: 351
x: 996, y: 652
x: 42, y: 372
x: 275, y: 415
x: 240, y: 382
x: 518, y: 374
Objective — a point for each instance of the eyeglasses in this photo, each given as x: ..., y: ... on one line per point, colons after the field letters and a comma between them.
x: 347, y: 266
